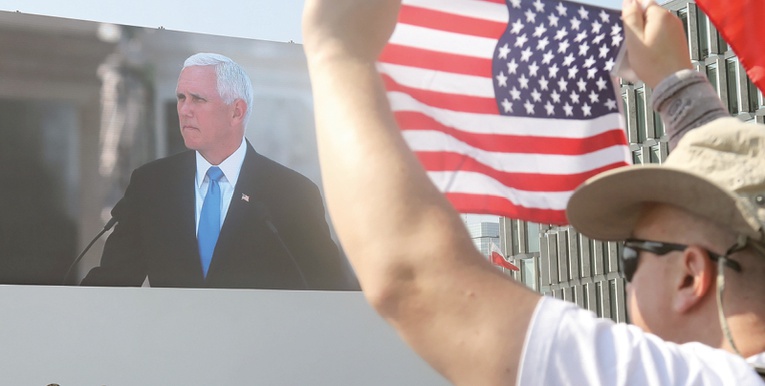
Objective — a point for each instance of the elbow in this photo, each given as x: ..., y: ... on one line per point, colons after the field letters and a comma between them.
x: 389, y: 293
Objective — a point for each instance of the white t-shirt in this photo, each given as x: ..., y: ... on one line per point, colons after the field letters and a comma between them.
x: 566, y: 345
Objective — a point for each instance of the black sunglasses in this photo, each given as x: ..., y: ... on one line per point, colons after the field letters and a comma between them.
x: 632, y: 247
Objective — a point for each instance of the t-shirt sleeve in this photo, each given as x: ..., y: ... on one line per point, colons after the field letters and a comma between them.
x: 566, y: 345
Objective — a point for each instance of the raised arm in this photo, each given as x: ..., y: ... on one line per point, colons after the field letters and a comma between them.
x: 658, y: 53
x: 413, y: 256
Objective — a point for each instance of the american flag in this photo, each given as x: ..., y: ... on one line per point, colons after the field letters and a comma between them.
x: 508, y: 106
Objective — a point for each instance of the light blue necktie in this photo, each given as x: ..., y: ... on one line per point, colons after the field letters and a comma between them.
x: 209, y: 219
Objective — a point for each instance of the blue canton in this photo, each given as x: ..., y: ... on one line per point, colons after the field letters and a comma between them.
x: 554, y: 60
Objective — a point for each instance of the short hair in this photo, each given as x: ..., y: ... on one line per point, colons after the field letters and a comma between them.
x: 233, y: 81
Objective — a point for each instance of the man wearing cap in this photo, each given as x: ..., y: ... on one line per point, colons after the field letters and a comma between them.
x: 693, y: 229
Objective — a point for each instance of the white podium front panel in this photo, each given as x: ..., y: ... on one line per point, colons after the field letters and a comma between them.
x: 79, y: 336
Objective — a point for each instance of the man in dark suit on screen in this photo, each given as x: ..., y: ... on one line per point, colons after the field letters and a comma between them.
x: 220, y: 215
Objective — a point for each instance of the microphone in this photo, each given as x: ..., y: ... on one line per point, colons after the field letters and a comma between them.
x: 264, y: 213
x: 109, y: 225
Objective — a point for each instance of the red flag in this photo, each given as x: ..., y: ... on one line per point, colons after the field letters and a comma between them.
x: 740, y: 22
x: 498, y: 258
x: 508, y: 107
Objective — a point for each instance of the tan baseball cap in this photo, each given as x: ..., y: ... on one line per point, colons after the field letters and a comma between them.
x: 716, y: 171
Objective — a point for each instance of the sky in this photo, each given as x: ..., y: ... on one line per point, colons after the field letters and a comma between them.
x: 275, y: 20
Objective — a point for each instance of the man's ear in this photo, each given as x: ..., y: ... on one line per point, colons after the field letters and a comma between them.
x: 239, y: 111
x: 695, y: 278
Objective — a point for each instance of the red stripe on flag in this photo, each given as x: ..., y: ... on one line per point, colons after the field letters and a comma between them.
x: 434, y: 60
x: 454, y: 102
x: 532, y: 182
x: 449, y: 22
x: 483, y: 204
x: 410, y: 120
x: 741, y: 24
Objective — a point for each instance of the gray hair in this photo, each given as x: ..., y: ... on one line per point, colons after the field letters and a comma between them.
x: 233, y: 82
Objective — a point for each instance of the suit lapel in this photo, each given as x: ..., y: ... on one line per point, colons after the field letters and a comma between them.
x: 185, y: 212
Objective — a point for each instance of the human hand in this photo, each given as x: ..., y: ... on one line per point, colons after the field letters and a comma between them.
x: 357, y: 29
x: 655, y: 40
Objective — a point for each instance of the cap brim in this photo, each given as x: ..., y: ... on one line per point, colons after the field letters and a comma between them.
x: 607, y: 206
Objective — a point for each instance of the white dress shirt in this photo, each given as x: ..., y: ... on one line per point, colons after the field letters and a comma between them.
x: 230, y: 167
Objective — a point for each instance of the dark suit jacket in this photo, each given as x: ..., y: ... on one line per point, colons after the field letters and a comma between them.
x: 156, y: 233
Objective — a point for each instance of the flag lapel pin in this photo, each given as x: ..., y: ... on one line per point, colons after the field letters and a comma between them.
x: 245, y: 198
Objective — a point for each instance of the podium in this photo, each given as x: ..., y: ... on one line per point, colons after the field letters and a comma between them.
x: 79, y: 336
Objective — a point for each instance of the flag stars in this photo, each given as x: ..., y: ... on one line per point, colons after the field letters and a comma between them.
x: 609, y: 64
x: 523, y: 81
x: 502, y: 79
x: 507, y: 105
x: 568, y: 60
x: 563, y: 46
x: 581, y: 84
x: 552, y: 71
x: 543, y: 83
x: 531, y: 17
x: 512, y: 67
x: 586, y: 110
x: 601, y: 83
x: 549, y: 108
x: 517, y: 27
x: 555, y: 96
x: 594, y: 97
x: 529, y: 107
x: 521, y: 40
x: 561, y: 9
x: 603, y: 51
x: 583, y: 48
x: 557, y: 58
x: 572, y: 72
x: 583, y: 13
x: 562, y: 85
x: 568, y: 109
x: 548, y: 57
x: 526, y: 54
x: 561, y: 33
x: 580, y: 37
x: 536, y: 96
x: 515, y: 94
x: 596, y: 26
x: 539, y: 31
x: 604, y: 16
x: 616, y: 40
x: 542, y: 43
x: 616, y: 29
x: 553, y: 20
x: 533, y: 69
x: 503, y: 51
